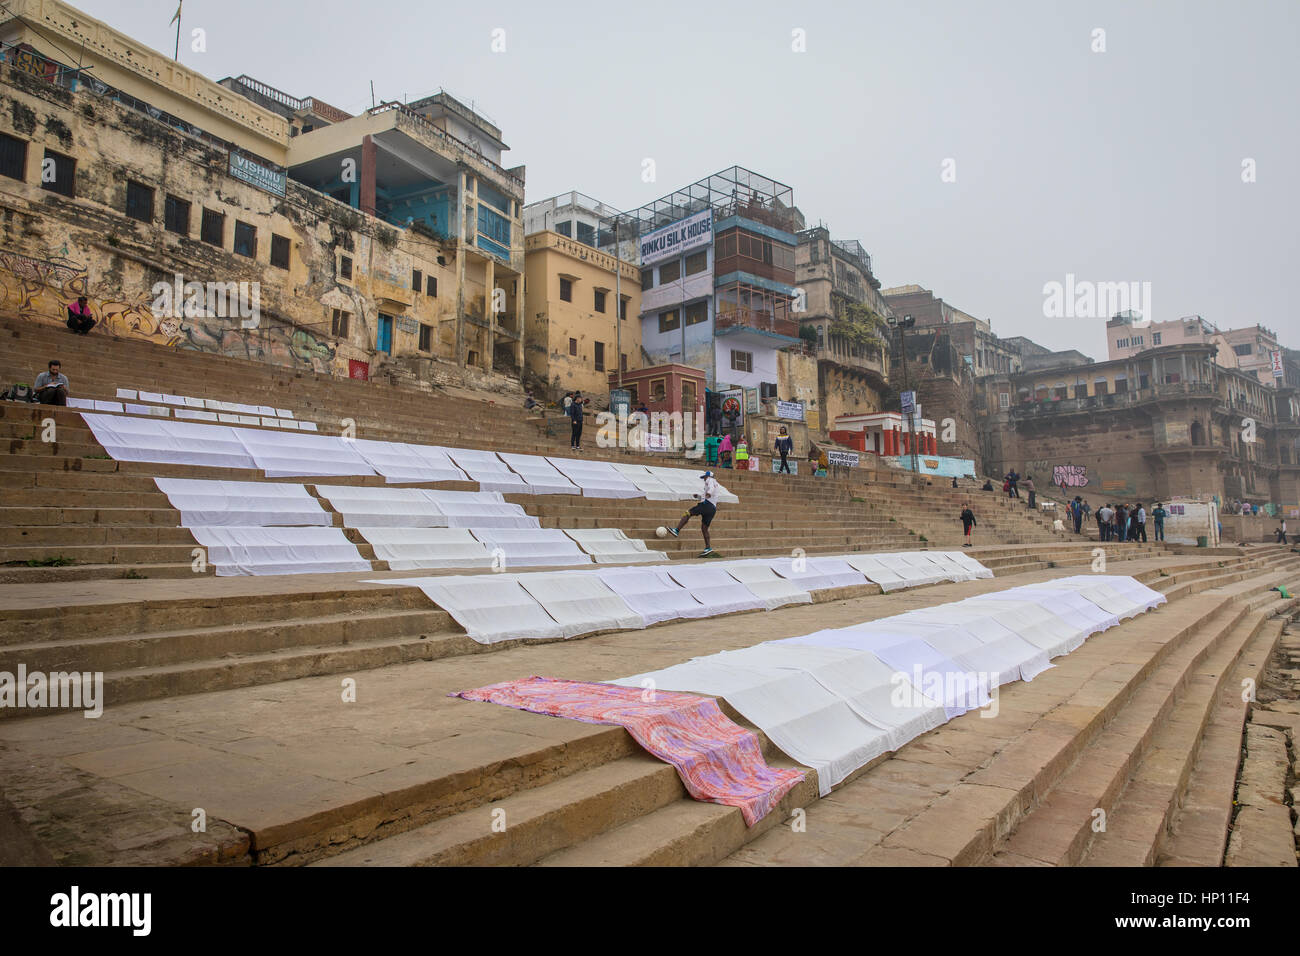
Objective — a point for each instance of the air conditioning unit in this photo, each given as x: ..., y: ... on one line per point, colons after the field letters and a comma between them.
x: 767, y: 390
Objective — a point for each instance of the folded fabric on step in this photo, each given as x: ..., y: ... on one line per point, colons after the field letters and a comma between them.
x: 718, y: 761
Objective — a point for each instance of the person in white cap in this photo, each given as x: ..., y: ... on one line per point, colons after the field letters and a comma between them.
x: 706, y: 506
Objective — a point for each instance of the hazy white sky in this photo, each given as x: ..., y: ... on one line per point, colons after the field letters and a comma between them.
x: 1123, y: 165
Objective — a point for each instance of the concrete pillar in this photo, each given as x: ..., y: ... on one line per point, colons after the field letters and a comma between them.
x: 489, y: 288
x: 369, y: 156
x: 460, y: 268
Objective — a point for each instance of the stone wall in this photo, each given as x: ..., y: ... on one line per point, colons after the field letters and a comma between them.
x: 54, y: 247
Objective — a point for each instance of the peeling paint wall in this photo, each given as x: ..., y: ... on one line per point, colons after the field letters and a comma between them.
x: 54, y: 247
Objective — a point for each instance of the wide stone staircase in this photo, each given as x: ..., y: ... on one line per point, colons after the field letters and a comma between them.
x: 225, y: 692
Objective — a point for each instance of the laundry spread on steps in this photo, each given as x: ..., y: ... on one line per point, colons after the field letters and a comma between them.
x: 717, y: 759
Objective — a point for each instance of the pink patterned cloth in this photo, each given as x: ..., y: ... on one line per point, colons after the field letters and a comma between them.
x: 718, y: 760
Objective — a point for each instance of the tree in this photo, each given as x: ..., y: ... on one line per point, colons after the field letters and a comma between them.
x: 860, y: 326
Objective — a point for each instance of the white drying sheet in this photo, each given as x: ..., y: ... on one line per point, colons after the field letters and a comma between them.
x: 979, y: 644
x: 532, y: 547
x: 767, y: 584
x: 491, y: 607
x: 207, y: 503
x: 540, y: 475
x: 651, y: 487
x: 966, y: 562
x: 715, y: 588
x: 291, y: 454
x: 1053, y: 625
x: 819, y: 573
x: 1071, y: 606
x: 809, y: 723
x: 1116, y: 594
x: 480, y: 509
x: 580, y: 602
x: 612, y: 546
x: 279, y: 550
x: 651, y: 593
x: 687, y: 482
x: 876, y: 571
x: 379, y: 507
x: 874, y: 690
x: 164, y: 441
x: 597, y: 479
x: 935, y: 674
x: 401, y: 463
x: 408, y: 549
x: 488, y: 470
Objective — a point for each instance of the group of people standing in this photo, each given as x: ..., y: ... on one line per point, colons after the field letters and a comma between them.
x: 1128, y: 522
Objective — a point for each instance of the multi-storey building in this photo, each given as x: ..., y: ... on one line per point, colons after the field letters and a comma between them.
x: 842, y: 305
x: 128, y: 170
x: 1169, y: 421
x: 717, y: 262
x: 578, y: 299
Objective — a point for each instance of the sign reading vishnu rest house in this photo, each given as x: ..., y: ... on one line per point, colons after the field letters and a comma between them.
x: 257, y: 174
x: 677, y: 239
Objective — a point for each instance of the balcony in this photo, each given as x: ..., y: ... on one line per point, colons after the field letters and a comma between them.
x: 868, y: 362
x: 1066, y: 406
x: 740, y: 319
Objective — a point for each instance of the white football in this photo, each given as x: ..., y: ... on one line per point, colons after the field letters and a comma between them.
x: 661, y: 532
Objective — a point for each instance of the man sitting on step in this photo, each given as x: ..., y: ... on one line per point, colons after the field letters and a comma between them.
x: 52, y: 386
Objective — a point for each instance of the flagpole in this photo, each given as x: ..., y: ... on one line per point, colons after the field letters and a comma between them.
x: 177, y: 55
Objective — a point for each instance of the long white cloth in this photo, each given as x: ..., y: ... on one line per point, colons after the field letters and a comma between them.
x: 491, y: 607
x: 279, y: 550
x: 488, y: 470
x: 651, y: 593
x: 612, y: 546
x: 402, y: 463
x: 168, y: 442
x: 819, y: 573
x: 480, y: 509
x: 767, y: 584
x: 597, y: 479
x: 540, y: 475
x: 650, y: 486
x: 581, y: 603
x: 531, y: 547
x: 292, y: 454
x: 205, y: 502
x: 408, y: 549
x: 371, y: 507
x: 715, y: 588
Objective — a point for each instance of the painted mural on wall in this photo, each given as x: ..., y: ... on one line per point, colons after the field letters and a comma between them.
x: 1070, y: 476
x: 41, y: 289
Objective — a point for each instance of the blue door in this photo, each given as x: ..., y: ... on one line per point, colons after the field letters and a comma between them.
x: 385, y: 333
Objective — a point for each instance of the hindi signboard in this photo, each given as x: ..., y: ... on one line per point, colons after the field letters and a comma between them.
x: 791, y: 411
x: 846, y: 459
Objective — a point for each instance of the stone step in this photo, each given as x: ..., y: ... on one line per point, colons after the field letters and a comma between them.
x: 1198, y: 831
x: 1055, y: 831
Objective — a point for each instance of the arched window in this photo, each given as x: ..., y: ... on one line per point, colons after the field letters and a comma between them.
x: 1198, y: 433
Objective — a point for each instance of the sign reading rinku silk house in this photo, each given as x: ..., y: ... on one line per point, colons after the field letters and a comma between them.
x: 257, y: 174
x: 677, y: 239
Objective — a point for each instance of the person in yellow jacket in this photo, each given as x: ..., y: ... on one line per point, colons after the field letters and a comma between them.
x: 742, y: 455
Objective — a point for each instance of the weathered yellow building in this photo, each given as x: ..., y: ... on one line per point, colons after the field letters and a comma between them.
x: 128, y: 170
x: 576, y: 335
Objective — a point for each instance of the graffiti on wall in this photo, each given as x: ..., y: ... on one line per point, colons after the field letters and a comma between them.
x: 1070, y: 476
x: 42, y: 289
